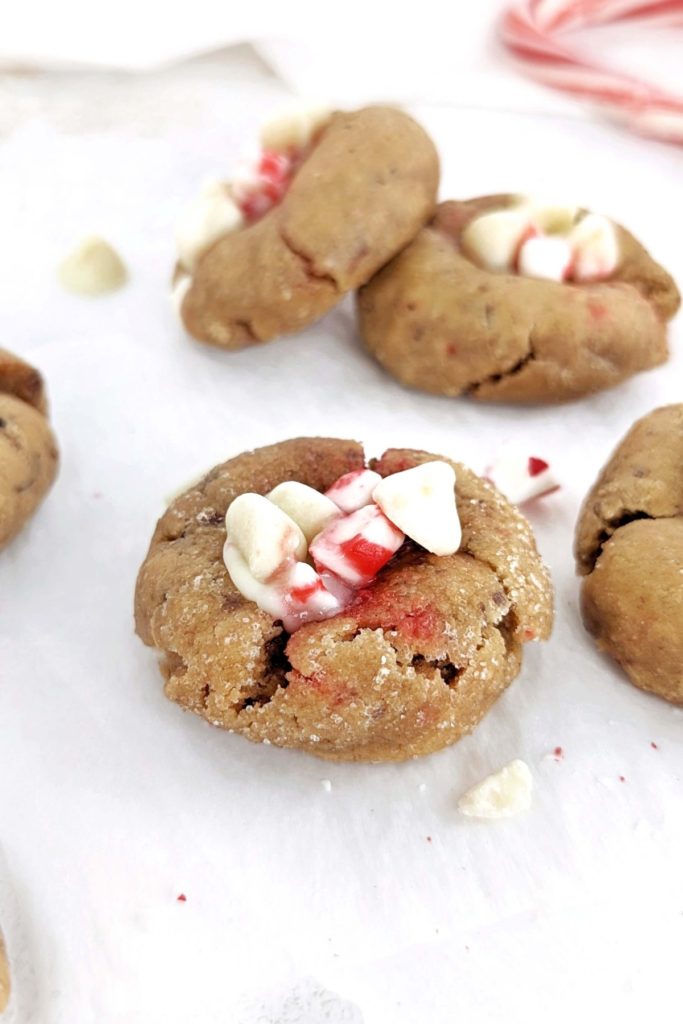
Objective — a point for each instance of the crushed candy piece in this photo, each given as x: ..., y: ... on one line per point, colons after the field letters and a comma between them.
x: 501, y: 795
x: 545, y: 256
x: 354, y: 490
x: 544, y: 240
x: 596, y: 248
x: 93, y: 268
x: 522, y: 478
x: 309, y: 509
x: 263, y: 535
x: 421, y: 503
x: 182, y: 898
x: 356, y: 547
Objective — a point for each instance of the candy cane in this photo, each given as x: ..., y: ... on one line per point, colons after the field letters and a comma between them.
x: 534, y: 30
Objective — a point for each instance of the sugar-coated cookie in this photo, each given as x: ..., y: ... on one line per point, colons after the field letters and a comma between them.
x: 392, y: 651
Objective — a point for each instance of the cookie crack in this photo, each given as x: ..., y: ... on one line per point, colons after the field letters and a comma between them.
x: 308, y: 262
x: 610, y: 527
x: 513, y: 371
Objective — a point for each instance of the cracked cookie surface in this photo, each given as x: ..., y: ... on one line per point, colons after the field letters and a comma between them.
x: 411, y: 666
x: 28, y: 450
x: 629, y: 548
x: 365, y: 190
x: 440, y: 323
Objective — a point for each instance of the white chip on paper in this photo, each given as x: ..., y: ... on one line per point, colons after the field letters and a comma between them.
x: 93, y: 268
x: 501, y: 795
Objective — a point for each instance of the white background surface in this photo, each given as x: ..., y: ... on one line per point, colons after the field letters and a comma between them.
x: 113, y: 802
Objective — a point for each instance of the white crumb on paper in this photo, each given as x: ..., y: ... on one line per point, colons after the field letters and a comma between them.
x: 327, y: 785
x: 501, y: 795
x: 308, y: 1002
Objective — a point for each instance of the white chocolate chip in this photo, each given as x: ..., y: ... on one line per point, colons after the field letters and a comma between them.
x: 553, y: 218
x: 596, y: 248
x: 293, y: 127
x: 521, y: 478
x: 421, y: 502
x: 309, y: 509
x: 208, y: 217
x: 493, y: 238
x: 268, y: 598
x: 353, y: 490
x: 93, y: 268
x: 263, y: 534
x: 179, y: 290
x: 501, y: 795
x: 546, y: 256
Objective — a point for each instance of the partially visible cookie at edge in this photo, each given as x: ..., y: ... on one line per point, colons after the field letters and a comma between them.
x: 28, y: 448
x: 629, y: 549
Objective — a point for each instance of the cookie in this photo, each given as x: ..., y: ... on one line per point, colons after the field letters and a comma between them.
x: 629, y: 548
x: 440, y: 320
x: 276, y: 260
x: 410, y: 664
x: 28, y: 450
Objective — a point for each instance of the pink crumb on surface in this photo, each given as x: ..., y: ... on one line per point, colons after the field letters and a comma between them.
x: 182, y: 898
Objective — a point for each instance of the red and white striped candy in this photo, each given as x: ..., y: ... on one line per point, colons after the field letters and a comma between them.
x: 521, y: 478
x: 356, y: 547
x: 533, y: 31
x: 257, y: 189
x: 354, y: 490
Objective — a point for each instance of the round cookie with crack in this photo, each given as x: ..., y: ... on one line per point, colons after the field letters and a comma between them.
x: 438, y: 320
x: 629, y: 548
x: 28, y: 450
x: 366, y: 185
x: 410, y: 666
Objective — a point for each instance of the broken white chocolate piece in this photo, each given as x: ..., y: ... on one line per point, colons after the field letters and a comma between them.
x: 93, y: 268
x: 493, y: 238
x: 596, y: 248
x: 501, y: 795
x: 208, y: 217
x: 545, y: 256
x: 521, y: 478
x: 353, y: 490
x: 309, y: 509
x: 263, y: 534
x: 421, y: 502
x: 294, y: 126
x: 5, y: 984
x: 296, y: 594
x: 357, y: 546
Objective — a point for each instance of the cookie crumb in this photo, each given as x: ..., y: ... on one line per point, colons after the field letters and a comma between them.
x: 5, y: 986
x: 654, y: 745
x: 558, y: 753
x: 622, y: 778
x: 327, y: 785
x: 429, y: 839
x: 182, y: 898
x: 501, y: 795
x: 93, y: 268
x: 422, y: 788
